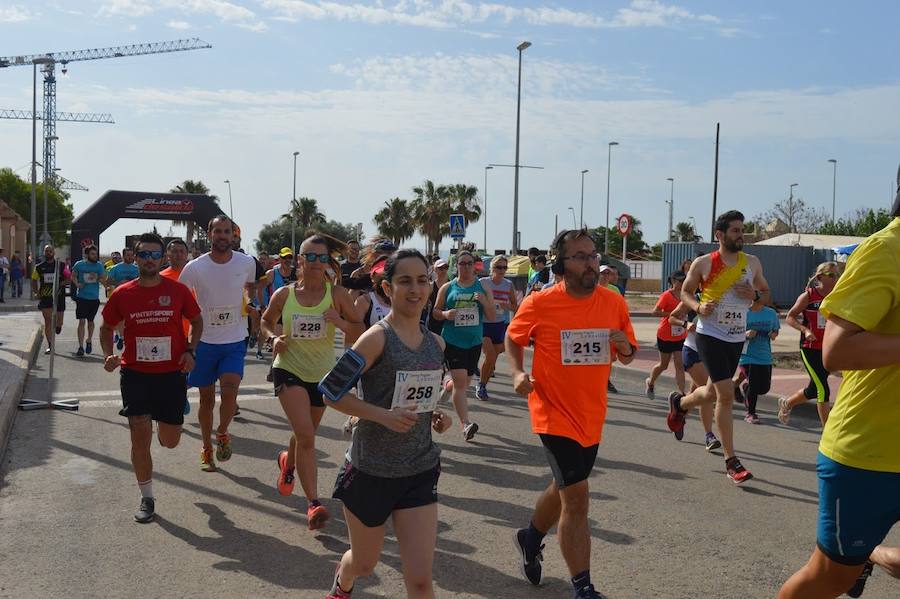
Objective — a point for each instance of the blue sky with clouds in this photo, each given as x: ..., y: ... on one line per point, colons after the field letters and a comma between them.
x: 378, y: 96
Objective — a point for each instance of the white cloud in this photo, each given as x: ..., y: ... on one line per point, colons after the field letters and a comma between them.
x: 14, y: 14
x: 181, y: 25
x: 126, y: 8
x: 224, y: 11
x: 453, y: 13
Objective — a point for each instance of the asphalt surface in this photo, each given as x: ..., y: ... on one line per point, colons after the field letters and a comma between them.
x: 664, y: 519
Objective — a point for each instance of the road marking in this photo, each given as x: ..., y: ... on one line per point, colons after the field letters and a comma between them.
x: 117, y: 403
x: 117, y: 393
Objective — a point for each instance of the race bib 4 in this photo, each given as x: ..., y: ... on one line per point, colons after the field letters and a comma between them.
x: 153, y: 349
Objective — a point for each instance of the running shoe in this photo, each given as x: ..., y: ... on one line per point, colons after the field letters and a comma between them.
x: 146, y: 512
x: 736, y: 471
x: 481, y: 392
x: 316, y: 516
x: 88, y: 347
x: 285, y: 475
x: 711, y: 442
x: 207, y: 463
x: 237, y: 409
x: 531, y: 560
x: 784, y: 411
x: 751, y: 418
x: 589, y: 592
x: 259, y: 354
x: 336, y: 591
x: 648, y: 389
x: 187, y: 407
x: 610, y: 388
x: 675, y: 419
x: 48, y: 351
x: 860, y: 585
x: 121, y: 344
x: 469, y: 431
x: 739, y: 395
x: 80, y: 352
x: 446, y: 392
x: 223, y: 447
x: 269, y: 375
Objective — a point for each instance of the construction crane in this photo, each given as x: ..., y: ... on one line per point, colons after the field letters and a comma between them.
x: 74, y: 117
x: 48, y: 64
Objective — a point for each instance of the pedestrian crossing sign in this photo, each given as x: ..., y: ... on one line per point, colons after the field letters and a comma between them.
x: 457, y: 226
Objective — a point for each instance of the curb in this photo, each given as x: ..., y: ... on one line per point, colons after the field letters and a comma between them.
x: 9, y: 403
x: 765, y: 403
x: 18, y: 308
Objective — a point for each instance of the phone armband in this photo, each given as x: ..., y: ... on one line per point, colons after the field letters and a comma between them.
x: 343, y: 376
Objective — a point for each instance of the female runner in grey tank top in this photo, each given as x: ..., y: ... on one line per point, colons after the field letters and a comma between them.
x: 392, y: 466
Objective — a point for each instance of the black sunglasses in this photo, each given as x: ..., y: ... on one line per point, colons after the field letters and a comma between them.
x: 147, y: 254
x: 312, y: 257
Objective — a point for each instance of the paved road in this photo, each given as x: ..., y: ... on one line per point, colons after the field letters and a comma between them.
x: 665, y: 521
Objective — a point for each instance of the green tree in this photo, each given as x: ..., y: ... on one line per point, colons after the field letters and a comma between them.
x: 17, y: 193
x: 305, y: 212
x: 277, y: 234
x: 191, y: 186
x: 636, y: 246
x: 796, y: 214
x: 395, y: 221
x: 685, y: 232
x: 431, y: 212
x: 464, y: 200
x: 862, y: 223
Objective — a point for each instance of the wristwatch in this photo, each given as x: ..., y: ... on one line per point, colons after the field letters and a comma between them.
x: 190, y: 351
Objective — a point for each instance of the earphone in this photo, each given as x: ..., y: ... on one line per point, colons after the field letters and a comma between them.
x: 558, y: 268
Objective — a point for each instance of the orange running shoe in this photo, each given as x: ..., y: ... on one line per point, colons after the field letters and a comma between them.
x: 316, y: 516
x: 207, y: 463
x: 223, y: 449
x: 285, y: 475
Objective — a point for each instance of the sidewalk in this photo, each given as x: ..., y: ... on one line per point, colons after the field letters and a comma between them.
x: 19, y: 304
x: 21, y: 336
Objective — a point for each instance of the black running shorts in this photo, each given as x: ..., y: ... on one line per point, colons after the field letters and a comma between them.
x: 461, y: 358
x: 46, y: 303
x: 284, y: 378
x: 372, y: 499
x: 720, y: 357
x: 86, y: 309
x: 161, y: 395
x: 669, y: 347
x: 569, y: 461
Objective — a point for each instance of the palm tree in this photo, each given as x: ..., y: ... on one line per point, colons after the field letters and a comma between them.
x: 684, y: 232
x: 464, y: 200
x: 431, y: 212
x: 304, y: 212
x: 191, y: 186
x: 395, y: 221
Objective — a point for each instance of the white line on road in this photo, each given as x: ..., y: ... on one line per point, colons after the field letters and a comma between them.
x: 117, y: 393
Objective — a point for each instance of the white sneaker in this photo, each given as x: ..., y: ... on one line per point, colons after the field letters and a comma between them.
x: 784, y: 411
x: 469, y: 431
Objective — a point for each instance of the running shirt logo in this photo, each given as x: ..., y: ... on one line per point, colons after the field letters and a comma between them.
x: 165, y: 300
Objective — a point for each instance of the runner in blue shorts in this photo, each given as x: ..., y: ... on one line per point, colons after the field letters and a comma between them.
x: 219, y: 278
x: 505, y: 304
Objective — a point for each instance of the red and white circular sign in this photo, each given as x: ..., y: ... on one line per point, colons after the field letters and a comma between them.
x: 624, y: 224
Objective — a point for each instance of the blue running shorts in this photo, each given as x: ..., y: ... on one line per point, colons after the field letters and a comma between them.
x: 214, y: 360
x: 857, y: 508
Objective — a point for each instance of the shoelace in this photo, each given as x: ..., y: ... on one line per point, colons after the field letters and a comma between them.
x: 538, y: 555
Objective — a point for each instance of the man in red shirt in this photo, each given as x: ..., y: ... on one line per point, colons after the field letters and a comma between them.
x: 578, y: 328
x: 155, y: 359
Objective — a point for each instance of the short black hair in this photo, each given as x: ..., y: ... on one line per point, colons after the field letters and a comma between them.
x: 127, y: 249
x: 533, y: 251
x: 390, y: 266
x: 177, y: 241
x: 559, y: 244
x: 150, y: 238
x: 541, y: 258
x: 677, y: 275
x: 724, y: 220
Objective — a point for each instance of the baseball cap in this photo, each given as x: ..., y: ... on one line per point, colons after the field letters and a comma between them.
x: 606, y: 268
x: 385, y: 246
x: 441, y: 263
x: 285, y: 251
x: 378, y: 266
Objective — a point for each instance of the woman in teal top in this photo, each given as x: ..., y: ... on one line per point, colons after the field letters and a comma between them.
x: 463, y: 304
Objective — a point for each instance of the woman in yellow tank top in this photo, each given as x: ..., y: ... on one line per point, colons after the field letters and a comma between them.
x: 310, y: 309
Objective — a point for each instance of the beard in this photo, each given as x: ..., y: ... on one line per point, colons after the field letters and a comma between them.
x: 586, y: 280
x: 733, y: 245
x: 222, y: 245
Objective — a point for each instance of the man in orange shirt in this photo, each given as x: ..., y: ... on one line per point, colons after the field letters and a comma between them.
x: 578, y: 328
x: 177, y: 256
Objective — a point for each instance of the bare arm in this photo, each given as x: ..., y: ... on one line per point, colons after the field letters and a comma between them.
x: 196, y: 331
x: 440, y: 302
x: 793, y: 320
x: 691, y: 283
x: 522, y: 381
x: 760, y: 283
x: 487, y: 303
x: 848, y: 346
x: 273, y: 313
x: 352, y: 324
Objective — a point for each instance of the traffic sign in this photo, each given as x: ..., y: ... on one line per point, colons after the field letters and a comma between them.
x: 624, y: 224
x: 457, y: 226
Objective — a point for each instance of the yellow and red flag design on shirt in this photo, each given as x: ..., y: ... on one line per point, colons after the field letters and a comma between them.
x: 722, y: 277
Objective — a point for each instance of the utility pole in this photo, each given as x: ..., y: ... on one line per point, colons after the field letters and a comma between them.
x: 712, y: 231
x: 293, y: 214
x: 671, y: 180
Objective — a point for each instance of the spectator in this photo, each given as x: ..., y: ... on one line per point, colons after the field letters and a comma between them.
x: 16, y: 274
x: 4, y: 270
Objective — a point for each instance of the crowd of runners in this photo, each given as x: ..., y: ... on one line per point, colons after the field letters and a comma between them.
x: 416, y: 338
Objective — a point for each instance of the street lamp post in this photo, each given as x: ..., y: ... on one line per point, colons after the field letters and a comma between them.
x: 521, y: 48
x: 486, y: 169
x: 833, y: 188
x: 230, y: 204
x: 293, y: 202
x: 791, y: 206
x: 608, y: 165
x: 48, y: 179
x: 574, y: 226
x: 671, y: 206
x: 582, y: 195
x: 33, y: 229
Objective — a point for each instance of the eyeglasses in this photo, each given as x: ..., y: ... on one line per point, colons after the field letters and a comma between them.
x: 466, y: 263
x: 500, y: 267
x: 147, y: 254
x: 312, y: 257
x: 583, y: 257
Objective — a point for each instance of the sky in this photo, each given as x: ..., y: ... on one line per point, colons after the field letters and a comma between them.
x: 378, y: 96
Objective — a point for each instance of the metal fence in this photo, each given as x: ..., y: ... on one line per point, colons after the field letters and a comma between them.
x: 786, y: 268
